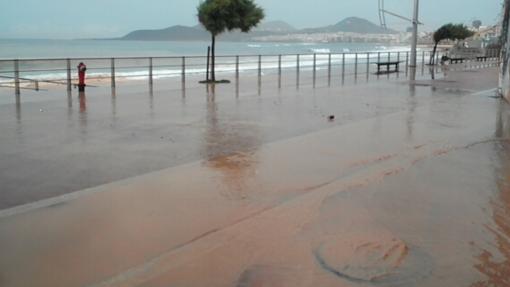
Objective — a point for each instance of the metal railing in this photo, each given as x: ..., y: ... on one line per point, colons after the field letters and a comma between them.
x: 22, y: 73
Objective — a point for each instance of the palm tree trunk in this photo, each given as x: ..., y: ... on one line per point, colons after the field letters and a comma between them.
x: 433, y: 56
x: 213, y: 45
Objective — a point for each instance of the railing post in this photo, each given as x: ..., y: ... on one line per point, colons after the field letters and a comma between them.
x: 69, y: 84
x: 314, y: 68
x: 259, y: 78
x: 356, y: 66
x: 297, y: 69
x: 343, y: 68
x: 237, y: 68
x: 407, y: 63
x: 398, y: 60
x: 388, y: 67
x: 260, y: 66
x: 422, y: 62
x: 378, y: 61
x: 183, y: 69
x: 113, y: 72
x: 329, y: 69
x: 279, y: 71
x: 150, y: 71
x: 368, y: 65
x: 279, y: 65
x: 17, y: 89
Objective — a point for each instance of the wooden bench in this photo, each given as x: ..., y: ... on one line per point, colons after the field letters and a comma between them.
x: 456, y: 60
x: 387, y: 64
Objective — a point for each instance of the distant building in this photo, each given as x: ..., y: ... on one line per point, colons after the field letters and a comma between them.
x: 487, y: 35
x: 332, y: 37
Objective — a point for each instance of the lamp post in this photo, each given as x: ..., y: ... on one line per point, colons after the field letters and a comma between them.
x: 414, y: 40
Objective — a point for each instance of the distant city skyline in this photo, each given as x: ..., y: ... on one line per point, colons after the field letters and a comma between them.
x: 67, y: 19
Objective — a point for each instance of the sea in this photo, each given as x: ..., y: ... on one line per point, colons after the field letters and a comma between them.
x: 39, y: 58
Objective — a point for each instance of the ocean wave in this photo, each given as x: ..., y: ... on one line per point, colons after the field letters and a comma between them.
x: 320, y: 50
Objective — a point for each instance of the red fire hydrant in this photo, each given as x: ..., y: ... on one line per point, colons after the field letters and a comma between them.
x: 82, y: 68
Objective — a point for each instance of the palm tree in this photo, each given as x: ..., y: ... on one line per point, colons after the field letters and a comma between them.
x: 218, y: 16
x: 449, y: 32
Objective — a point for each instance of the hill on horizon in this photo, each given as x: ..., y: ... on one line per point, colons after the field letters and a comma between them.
x: 352, y: 25
x: 275, y: 26
x: 173, y: 33
x: 198, y: 33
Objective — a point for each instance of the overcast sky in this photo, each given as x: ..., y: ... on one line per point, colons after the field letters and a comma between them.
x: 111, y: 18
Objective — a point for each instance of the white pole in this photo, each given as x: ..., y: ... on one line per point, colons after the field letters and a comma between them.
x: 414, y: 41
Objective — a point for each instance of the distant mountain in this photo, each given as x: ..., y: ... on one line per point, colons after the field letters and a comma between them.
x: 174, y: 33
x: 198, y: 33
x: 352, y: 25
x: 275, y: 26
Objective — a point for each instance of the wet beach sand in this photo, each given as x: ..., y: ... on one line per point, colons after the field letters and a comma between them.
x: 408, y: 186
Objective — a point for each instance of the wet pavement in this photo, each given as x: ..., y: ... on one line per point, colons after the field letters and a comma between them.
x: 408, y: 186
x: 53, y: 143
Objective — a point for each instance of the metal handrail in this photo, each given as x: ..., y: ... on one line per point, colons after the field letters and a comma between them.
x: 358, y: 63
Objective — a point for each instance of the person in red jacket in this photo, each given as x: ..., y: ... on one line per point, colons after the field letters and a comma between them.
x: 82, y: 68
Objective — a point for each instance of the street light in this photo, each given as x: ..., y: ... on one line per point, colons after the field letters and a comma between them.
x: 414, y: 40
